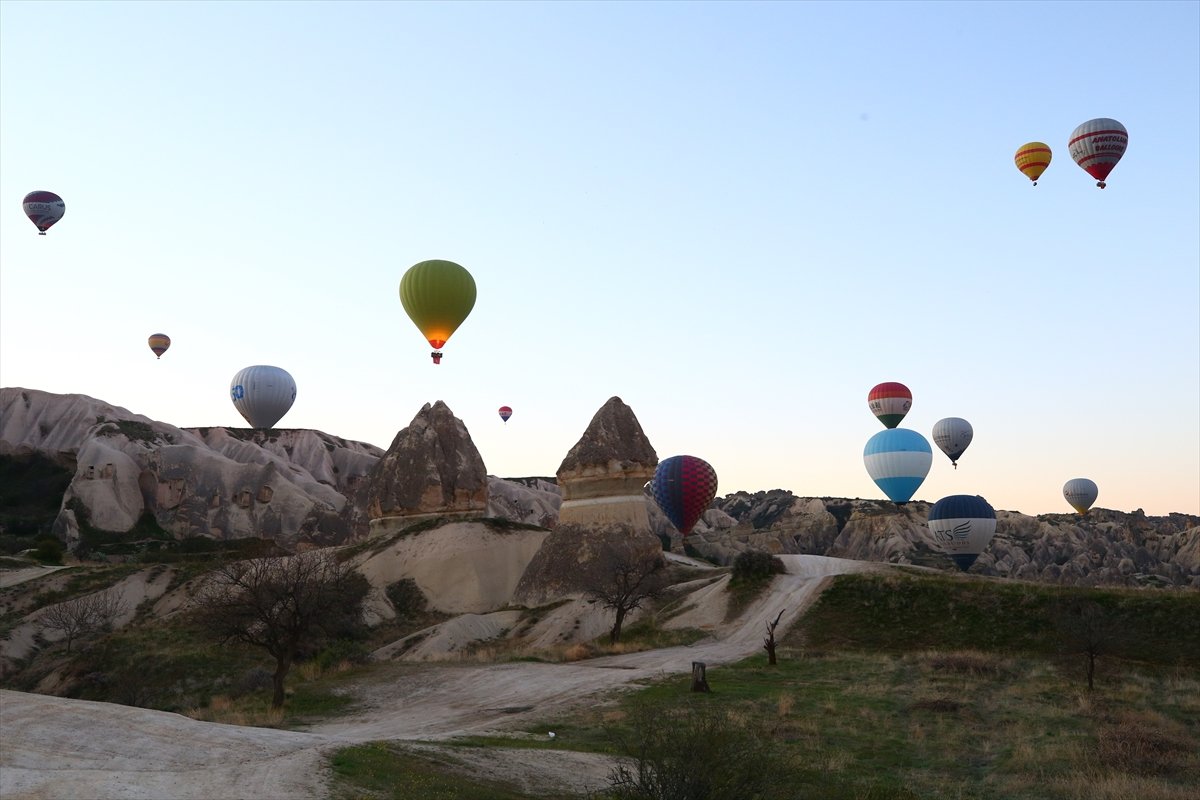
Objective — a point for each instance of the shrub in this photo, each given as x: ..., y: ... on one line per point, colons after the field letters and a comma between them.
x: 680, y: 753
x: 756, y: 565
x: 48, y: 550
x: 406, y: 598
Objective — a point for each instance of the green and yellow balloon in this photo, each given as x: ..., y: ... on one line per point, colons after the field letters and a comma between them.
x: 437, y: 296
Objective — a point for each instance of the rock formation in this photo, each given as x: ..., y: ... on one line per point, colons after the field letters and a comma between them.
x: 431, y: 469
x: 1105, y: 547
x: 602, y: 479
x: 603, y: 508
x: 215, y: 482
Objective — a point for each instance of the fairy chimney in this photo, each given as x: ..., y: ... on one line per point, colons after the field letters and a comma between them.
x: 603, y: 508
x: 604, y: 474
x: 431, y: 469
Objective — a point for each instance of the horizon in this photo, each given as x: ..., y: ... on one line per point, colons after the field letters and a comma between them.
x: 737, y: 217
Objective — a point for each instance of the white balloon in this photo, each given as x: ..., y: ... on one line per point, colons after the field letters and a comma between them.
x: 952, y: 435
x: 1081, y: 493
x: 262, y: 394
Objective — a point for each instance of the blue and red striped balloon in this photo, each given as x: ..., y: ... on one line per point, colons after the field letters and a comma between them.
x: 683, y: 487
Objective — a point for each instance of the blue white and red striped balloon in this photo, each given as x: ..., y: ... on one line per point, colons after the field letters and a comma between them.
x: 962, y: 525
x: 898, y: 459
x: 505, y: 413
x: 684, y: 487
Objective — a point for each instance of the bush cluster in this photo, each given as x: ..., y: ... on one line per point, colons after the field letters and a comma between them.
x: 754, y: 565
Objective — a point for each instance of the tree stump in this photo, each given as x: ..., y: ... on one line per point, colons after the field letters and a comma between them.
x: 699, y: 682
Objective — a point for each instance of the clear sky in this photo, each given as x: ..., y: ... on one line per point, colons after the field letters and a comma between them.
x: 738, y: 217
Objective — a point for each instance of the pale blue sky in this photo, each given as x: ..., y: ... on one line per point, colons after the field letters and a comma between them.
x: 736, y: 217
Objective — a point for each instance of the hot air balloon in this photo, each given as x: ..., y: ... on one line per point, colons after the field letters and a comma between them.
x: 43, y: 209
x: 963, y: 525
x: 683, y: 487
x: 159, y: 342
x: 898, y: 460
x: 505, y: 413
x: 438, y: 296
x: 952, y: 435
x: 262, y: 394
x: 1032, y: 159
x: 890, y: 402
x: 1081, y: 493
x: 1097, y: 145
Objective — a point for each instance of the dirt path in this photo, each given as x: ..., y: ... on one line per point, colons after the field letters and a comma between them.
x: 56, y: 748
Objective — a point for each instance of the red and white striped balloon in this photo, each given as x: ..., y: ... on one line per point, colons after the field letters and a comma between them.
x: 1097, y: 145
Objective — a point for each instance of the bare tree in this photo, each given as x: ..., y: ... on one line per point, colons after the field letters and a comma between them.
x: 769, y: 641
x: 285, y: 606
x: 1088, y: 629
x: 84, y: 615
x: 622, y: 579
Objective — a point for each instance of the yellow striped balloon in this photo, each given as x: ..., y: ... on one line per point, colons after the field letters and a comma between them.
x: 1032, y: 159
x: 159, y: 342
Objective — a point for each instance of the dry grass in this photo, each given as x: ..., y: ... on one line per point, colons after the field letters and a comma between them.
x: 228, y: 711
x: 1145, y: 743
x: 964, y: 662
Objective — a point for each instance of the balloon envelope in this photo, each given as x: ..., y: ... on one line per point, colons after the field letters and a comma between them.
x: 437, y: 296
x: 43, y: 209
x: 683, y: 487
x: 889, y: 402
x: 262, y: 394
x: 952, y: 435
x: 505, y: 413
x: 962, y: 525
x: 1081, y: 493
x: 1032, y: 158
x: 159, y: 342
x: 898, y: 460
x: 1097, y: 145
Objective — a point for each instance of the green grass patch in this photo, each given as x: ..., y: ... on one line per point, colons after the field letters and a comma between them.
x: 905, y: 612
x: 385, y: 771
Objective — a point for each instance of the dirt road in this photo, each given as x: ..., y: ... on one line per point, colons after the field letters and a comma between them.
x: 56, y: 748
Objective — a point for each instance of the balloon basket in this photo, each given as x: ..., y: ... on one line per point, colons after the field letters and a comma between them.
x: 436, y: 356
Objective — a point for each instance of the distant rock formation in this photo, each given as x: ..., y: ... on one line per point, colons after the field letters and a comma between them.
x: 286, y: 485
x: 305, y: 488
x: 432, y: 469
x: 1105, y: 547
x: 604, y: 508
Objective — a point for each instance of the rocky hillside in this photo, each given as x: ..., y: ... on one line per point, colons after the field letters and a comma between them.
x: 129, y: 474
x: 1105, y: 547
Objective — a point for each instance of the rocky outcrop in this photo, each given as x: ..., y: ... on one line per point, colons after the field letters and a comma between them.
x: 603, y: 475
x: 215, y: 482
x: 431, y: 469
x: 1103, y: 548
x: 604, y: 508
x: 533, y: 501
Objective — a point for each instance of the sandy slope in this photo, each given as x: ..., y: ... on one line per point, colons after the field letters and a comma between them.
x: 56, y: 748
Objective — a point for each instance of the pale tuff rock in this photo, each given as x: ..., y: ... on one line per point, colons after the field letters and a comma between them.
x: 461, y: 567
x: 432, y: 468
x: 534, y: 501
x: 604, y: 508
x: 603, y: 475
x: 223, y: 483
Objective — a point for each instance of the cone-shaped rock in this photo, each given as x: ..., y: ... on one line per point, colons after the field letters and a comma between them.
x: 431, y: 469
x: 604, y: 474
x: 603, y: 508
